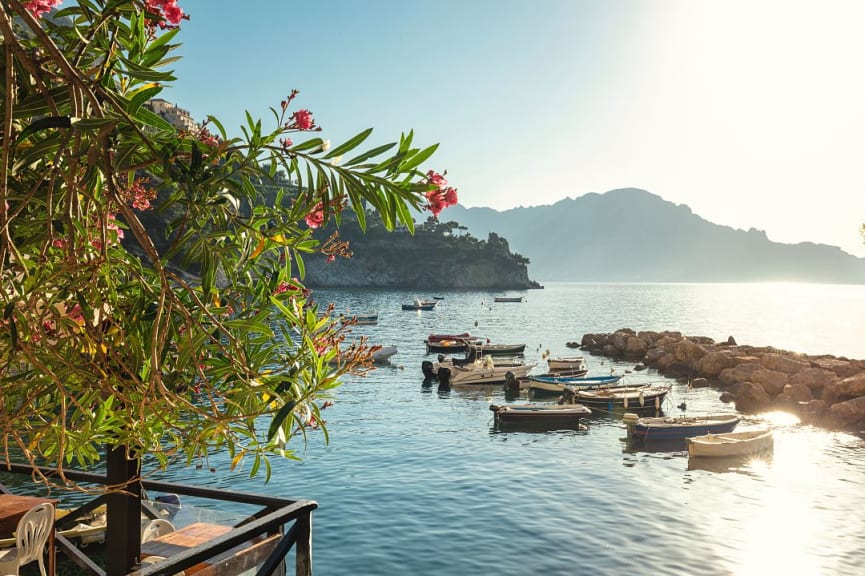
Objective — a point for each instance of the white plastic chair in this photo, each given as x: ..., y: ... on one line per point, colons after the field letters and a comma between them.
x: 31, y: 536
x: 155, y: 529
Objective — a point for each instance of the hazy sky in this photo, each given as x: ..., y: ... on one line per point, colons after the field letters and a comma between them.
x: 751, y: 112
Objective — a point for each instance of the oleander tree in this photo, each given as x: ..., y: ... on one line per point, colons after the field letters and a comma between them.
x: 105, y: 341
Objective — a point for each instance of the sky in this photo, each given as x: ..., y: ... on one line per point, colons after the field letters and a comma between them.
x: 750, y: 112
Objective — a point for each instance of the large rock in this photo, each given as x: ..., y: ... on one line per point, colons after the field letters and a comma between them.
x: 635, y: 347
x: 687, y: 350
x: 711, y: 365
x: 785, y: 364
x: 814, y: 378
x: 752, y: 398
x: 773, y: 382
x: 738, y: 373
x: 847, y: 388
x: 843, y: 368
x: 849, y: 412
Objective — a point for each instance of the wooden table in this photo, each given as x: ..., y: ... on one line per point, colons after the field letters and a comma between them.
x: 230, y: 562
x: 12, y: 509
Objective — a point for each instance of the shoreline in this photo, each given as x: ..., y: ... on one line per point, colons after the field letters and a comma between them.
x: 824, y: 390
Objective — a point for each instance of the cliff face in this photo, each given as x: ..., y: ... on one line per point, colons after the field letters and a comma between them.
x: 422, y: 261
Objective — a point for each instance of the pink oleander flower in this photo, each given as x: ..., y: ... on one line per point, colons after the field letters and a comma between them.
x: 438, y: 200
x: 303, y: 119
x: 435, y: 179
x: 331, y: 258
x: 40, y: 7
x: 315, y: 218
x: 286, y: 143
x: 169, y: 14
x: 59, y: 243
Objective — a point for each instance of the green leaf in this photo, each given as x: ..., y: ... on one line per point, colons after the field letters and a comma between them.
x: 279, y: 419
x: 349, y: 145
x: 414, y: 161
x: 142, y: 96
x: 370, y: 154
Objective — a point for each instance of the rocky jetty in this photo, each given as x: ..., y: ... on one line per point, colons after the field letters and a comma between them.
x: 823, y: 390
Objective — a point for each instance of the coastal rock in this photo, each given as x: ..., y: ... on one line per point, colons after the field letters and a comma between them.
x: 752, y: 398
x: 784, y: 364
x: 843, y: 368
x: 711, y: 365
x: 814, y: 378
x: 727, y: 397
x: 635, y: 347
x: 688, y: 350
x: 772, y: 382
x: 738, y: 373
x: 699, y: 383
x: 848, y: 412
x: 847, y: 388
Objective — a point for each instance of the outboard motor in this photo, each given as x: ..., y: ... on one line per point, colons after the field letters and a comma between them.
x: 444, y: 376
x: 441, y: 358
x: 511, y: 386
x: 427, y: 369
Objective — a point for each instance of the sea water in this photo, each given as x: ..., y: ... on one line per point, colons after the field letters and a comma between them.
x: 419, y: 481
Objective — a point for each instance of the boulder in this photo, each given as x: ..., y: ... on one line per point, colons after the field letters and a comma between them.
x: 611, y: 351
x: 699, y: 383
x: 678, y: 369
x: 652, y: 356
x: 730, y: 341
x: 727, y: 397
x: 711, y: 365
x: 843, y: 368
x: 773, y: 382
x: 785, y: 364
x: 847, y: 388
x: 688, y: 350
x: 752, y: 398
x: 635, y: 347
x: 738, y: 373
x: 849, y: 412
x: 814, y: 378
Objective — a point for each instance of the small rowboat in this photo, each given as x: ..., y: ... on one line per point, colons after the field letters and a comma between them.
x: 420, y: 305
x: 360, y: 319
x: 561, y: 364
x: 539, y: 413
x: 679, y: 427
x: 648, y: 396
x: 477, y: 350
x: 554, y: 384
x: 743, y: 443
x: 508, y: 298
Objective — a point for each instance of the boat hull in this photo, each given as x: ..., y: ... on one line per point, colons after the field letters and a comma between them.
x: 545, y: 415
x: 745, y: 443
x: 679, y: 428
x: 628, y: 397
x: 554, y: 385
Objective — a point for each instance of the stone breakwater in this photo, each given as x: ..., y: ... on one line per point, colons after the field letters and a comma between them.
x: 823, y: 390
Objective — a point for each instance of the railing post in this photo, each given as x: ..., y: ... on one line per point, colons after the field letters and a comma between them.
x: 303, y: 550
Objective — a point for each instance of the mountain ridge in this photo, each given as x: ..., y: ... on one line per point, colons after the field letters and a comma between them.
x: 630, y: 234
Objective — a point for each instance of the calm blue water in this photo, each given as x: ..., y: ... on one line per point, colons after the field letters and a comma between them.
x: 418, y: 482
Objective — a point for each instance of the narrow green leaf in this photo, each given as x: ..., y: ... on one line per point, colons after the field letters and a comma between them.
x: 349, y: 145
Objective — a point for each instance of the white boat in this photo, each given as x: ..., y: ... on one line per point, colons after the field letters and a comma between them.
x: 481, y: 371
x: 742, y: 443
x: 369, y: 319
x: 508, y: 298
x: 543, y: 413
x: 383, y: 353
x: 564, y: 364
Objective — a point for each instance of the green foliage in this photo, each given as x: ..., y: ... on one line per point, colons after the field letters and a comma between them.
x: 104, y: 343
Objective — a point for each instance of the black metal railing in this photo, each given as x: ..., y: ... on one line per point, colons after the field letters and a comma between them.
x: 269, y: 521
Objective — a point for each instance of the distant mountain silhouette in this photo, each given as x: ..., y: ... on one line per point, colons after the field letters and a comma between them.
x: 631, y: 235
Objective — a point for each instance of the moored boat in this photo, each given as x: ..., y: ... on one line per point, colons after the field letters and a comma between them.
x: 646, y: 396
x: 481, y: 371
x: 484, y: 349
x: 566, y: 364
x: 383, y: 353
x: 678, y: 427
x: 420, y: 305
x: 508, y: 298
x: 555, y: 384
x: 744, y: 443
x: 360, y: 319
x: 539, y: 414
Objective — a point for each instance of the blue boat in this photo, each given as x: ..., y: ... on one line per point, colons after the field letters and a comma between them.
x: 679, y: 427
x: 554, y: 384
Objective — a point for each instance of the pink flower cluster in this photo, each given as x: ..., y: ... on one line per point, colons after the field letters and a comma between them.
x: 168, y: 13
x: 302, y: 120
x: 138, y: 195
x: 40, y: 7
x: 315, y: 218
x: 442, y: 195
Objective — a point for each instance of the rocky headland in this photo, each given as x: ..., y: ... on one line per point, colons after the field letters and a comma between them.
x: 823, y: 390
